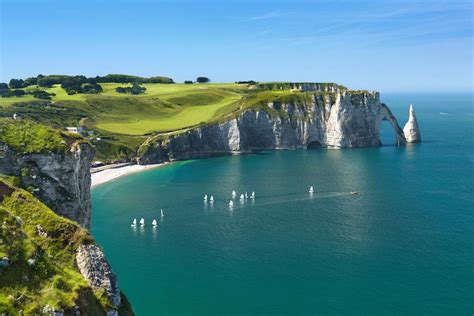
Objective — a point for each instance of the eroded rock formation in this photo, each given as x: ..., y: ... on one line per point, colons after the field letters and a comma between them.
x: 95, y: 268
x: 411, y: 129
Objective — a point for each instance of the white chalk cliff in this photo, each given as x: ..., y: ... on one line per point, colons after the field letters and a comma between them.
x: 411, y: 129
x: 340, y: 119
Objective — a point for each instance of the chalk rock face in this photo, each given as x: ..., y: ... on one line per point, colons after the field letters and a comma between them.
x: 95, y: 268
x: 60, y: 180
x: 339, y: 119
x: 411, y: 129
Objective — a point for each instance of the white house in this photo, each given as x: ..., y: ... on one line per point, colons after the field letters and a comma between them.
x: 75, y: 130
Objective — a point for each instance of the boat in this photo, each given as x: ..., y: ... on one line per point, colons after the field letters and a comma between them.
x: 154, y: 223
x: 311, y: 189
x: 252, y: 196
x: 246, y: 195
x: 354, y: 192
x: 142, y: 222
x: 212, y: 198
x: 231, y: 203
x: 234, y: 194
x: 134, y: 223
x: 242, y: 197
x: 162, y: 214
x: 205, y: 198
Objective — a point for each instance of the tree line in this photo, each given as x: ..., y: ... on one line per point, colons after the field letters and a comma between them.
x: 82, y: 84
x: 50, y: 80
x: 6, y: 92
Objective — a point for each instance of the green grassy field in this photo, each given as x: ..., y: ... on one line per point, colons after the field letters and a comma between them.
x: 163, y: 107
x: 124, y: 121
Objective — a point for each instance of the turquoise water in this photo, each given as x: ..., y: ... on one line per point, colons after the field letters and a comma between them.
x: 403, y: 246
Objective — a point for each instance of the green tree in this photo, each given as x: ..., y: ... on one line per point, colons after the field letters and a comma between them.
x: 202, y: 80
x: 16, y: 84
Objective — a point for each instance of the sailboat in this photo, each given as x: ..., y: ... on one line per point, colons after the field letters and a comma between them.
x: 154, y: 223
x: 162, y: 214
x: 134, y: 223
x: 241, y: 197
x: 246, y: 195
x: 311, y: 190
x: 205, y: 198
x: 212, y: 199
x: 234, y: 194
x: 252, y: 196
x: 231, y: 203
x: 142, y: 222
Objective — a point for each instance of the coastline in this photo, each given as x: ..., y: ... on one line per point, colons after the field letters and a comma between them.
x: 118, y: 171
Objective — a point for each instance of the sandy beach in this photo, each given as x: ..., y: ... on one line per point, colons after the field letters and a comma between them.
x: 113, y: 173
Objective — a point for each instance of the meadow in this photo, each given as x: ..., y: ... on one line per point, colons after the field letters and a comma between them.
x: 120, y: 122
x: 163, y: 107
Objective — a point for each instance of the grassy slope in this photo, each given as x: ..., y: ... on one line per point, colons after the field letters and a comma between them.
x: 27, y: 137
x: 125, y: 121
x: 53, y: 279
x: 163, y: 107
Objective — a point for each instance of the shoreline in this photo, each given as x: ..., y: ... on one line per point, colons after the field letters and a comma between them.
x: 117, y: 171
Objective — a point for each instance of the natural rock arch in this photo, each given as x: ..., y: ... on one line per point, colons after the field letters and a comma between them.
x: 399, y: 135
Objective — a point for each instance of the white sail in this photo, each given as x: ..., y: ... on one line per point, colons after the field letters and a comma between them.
x: 311, y: 190
x: 212, y: 198
x: 246, y: 195
x: 231, y: 203
x: 162, y: 214
x: 134, y: 222
x: 234, y: 194
x: 241, y: 197
x: 252, y: 196
x: 154, y: 223
x: 205, y: 198
x: 142, y: 222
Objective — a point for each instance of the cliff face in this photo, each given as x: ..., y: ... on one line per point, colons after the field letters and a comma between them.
x: 59, y: 179
x: 44, y: 195
x: 341, y: 120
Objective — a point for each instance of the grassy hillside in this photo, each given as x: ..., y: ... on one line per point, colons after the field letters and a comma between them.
x: 124, y: 121
x: 40, y: 247
x: 163, y: 107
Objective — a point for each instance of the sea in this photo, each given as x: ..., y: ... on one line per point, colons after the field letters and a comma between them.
x: 404, y: 245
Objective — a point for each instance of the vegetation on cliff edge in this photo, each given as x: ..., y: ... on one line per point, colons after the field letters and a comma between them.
x: 37, y: 251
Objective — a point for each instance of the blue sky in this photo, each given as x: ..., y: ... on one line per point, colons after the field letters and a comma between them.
x: 376, y: 45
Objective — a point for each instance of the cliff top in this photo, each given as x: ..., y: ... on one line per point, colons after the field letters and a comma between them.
x: 117, y: 123
x: 29, y: 137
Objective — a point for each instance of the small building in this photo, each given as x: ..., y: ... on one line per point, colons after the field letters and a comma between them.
x: 74, y: 130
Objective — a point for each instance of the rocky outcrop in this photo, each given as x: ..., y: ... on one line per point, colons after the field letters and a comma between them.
x: 344, y: 119
x: 59, y: 179
x: 411, y: 129
x: 95, y: 268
